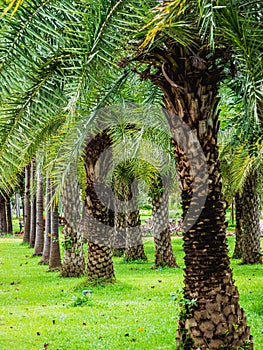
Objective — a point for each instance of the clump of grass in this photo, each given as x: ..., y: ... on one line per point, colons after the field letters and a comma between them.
x: 81, y: 301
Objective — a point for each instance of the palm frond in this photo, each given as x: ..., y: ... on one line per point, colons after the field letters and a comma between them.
x: 170, y: 19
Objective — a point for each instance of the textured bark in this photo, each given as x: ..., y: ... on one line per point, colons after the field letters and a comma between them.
x: 54, y: 259
x: 47, y: 233
x: 119, y: 239
x: 9, y: 225
x: 33, y: 207
x: 163, y: 251
x: 251, y: 221
x: 26, y: 237
x: 73, y: 262
x: 98, y: 221
x: 127, y: 221
x: 238, y: 230
x: 100, y: 266
x: 190, y: 83
x: 134, y: 244
x: 3, y: 223
x: 39, y: 242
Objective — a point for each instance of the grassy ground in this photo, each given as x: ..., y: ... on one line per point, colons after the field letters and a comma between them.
x: 37, y: 307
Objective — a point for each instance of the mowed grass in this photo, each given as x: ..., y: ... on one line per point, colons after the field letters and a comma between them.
x: 37, y: 312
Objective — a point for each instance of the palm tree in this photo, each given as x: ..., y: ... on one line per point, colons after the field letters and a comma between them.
x: 32, y: 206
x: 73, y: 261
x: 127, y: 216
x: 238, y: 229
x: 188, y: 65
x: 3, y: 223
x: 54, y: 258
x: 39, y: 242
x: 248, y: 160
x: 189, y: 74
x: 251, y: 253
x: 183, y: 48
x: 99, y: 221
x: 9, y: 228
x: 164, y: 255
x: 47, y: 234
x: 27, y: 209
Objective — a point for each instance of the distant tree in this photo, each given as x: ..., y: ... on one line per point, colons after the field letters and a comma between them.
x: 3, y: 223
x: 27, y: 209
x: 32, y: 206
x: 55, y: 257
x: 39, y: 242
x: 163, y: 250
x: 9, y: 224
x: 47, y: 234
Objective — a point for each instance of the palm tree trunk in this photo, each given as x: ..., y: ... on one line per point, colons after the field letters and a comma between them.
x: 33, y: 207
x: 17, y: 196
x: 119, y: 239
x: 55, y: 258
x: 26, y: 237
x: 132, y: 224
x: 39, y: 242
x: 213, y: 318
x: 251, y: 221
x: 47, y: 234
x: 163, y: 251
x: 9, y: 225
x: 134, y: 244
x: 73, y: 262
x: 238, y: 230
x: 127, y: 223
x: 98, y: 221
x: 3, y: 223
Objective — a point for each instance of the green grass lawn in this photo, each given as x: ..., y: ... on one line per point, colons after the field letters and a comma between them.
x: 37, y: 312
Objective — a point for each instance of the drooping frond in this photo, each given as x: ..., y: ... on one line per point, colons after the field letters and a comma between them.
x: 246, y: 159
x: 55, y: 64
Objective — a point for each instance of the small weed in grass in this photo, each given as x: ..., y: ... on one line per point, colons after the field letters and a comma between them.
x: 81, y: 301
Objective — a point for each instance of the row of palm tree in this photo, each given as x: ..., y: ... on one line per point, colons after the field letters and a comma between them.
x: 59, y: 62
